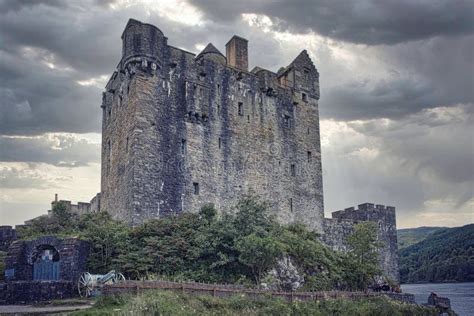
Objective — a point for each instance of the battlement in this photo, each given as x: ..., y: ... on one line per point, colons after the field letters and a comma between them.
x: 365, y: 211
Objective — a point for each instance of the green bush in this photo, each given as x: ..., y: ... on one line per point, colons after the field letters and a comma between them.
x: 239, y: 247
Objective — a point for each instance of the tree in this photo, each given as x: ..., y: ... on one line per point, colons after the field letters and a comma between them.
x: 361, y: 264
x: 108, y: 238
x: 259, y: 253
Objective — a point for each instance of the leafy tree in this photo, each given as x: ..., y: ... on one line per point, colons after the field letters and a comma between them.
x: 108, y: 238
x: 259, y: 253
x: 361, y: 263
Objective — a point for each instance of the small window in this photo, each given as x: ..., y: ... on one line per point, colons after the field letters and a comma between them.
x: 309, y: 156
x: 120, y: 100
x: 293, y: 170
x: 304, y: 97
x: 219, y: 89
x: 196, y: 188
x: 220, y: 142
x: 110, y: 112
x: 287, y: 121
x: 291, y: 205
x: 183, y: 146
x: 307, y: 131
x: 248, y: 118
x: 218, y: 108
x: 126, y: 144
x: 241, y: 109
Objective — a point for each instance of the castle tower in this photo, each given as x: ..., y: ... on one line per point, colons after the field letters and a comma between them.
x: 181, y: 130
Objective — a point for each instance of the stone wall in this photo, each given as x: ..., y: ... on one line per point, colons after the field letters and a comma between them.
x: 20, y: 292
x: 7, y: 236
x: 180, y: 131
x: 73, y: 255
x: 337, y: 229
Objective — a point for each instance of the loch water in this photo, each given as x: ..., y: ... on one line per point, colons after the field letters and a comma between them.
x: 460, y: 294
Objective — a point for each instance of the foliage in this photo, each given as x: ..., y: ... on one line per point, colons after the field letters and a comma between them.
x: 106, y: 236
x: 259, y: 253
x: 410, y: 236
x: 171, y: 303
x: 361, y: 264
x: 236, y: 247
x: 445, y: 255
x: 61, y: 223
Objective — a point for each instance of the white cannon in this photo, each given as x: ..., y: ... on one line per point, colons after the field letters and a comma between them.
x: 88, y: 284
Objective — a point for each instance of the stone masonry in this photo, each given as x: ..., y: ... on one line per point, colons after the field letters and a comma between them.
x: 337, y: 229
x: 180, y: 130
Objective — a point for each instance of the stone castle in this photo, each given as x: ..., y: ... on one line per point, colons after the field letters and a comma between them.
x: 181, y: 130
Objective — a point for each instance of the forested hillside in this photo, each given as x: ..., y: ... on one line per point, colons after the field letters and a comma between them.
x: 445, y: 255
x: 410, y: 236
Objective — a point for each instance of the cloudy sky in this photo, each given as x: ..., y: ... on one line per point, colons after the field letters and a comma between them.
x: 396, y: 93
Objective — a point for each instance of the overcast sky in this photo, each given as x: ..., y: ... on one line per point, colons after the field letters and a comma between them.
x: 396, y: 102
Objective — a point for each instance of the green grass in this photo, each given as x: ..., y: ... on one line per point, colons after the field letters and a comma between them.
x: 170, y: 303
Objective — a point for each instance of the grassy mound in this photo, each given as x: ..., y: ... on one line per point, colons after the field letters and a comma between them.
x: 170, y: 303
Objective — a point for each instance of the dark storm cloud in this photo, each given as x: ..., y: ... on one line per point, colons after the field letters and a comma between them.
x: 16, y: 5
x: 423, y: 74
x: 57, y: 150
x: 365, y: 22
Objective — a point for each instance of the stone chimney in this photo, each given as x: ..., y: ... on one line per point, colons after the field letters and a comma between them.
x: 237, y: 53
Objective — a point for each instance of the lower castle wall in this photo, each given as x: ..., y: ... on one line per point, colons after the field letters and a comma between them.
x: 337, y: 229
x: 35, y: 291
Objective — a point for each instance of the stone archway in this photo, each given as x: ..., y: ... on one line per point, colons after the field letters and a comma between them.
x: 46, y: 263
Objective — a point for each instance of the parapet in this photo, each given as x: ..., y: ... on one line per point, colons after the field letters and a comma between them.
x: 365, y: 212
x: 142, y: 40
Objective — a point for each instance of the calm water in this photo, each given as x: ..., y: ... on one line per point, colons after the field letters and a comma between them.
x: 460, y: 294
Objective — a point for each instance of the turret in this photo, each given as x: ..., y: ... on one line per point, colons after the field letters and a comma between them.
x: 142, y: 41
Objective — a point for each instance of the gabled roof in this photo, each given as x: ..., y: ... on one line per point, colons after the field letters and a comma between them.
x: 210, y: 49
x: 302, y: 60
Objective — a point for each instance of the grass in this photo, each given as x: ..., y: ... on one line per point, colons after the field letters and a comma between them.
x: 171, y: 303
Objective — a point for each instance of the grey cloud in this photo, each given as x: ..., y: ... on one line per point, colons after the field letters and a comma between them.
x: 57, y: 150
x: 366, y: 22
x: 14, y: 178
x: 407, y: 162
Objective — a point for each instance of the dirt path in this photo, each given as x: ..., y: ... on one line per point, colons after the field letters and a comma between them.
x: 26, y: 309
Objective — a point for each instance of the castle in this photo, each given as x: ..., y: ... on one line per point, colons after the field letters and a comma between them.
x: 181, y: 130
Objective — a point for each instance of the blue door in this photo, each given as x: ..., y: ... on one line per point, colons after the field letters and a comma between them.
x: 45, y: 268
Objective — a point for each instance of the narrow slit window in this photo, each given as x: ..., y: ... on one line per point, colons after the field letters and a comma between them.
x: 220, y: 142
x: 241, y: 109
x: 293, y: 170
x: 309, y: 156
x: 196, y: 188
x: 126, y: 144
x: 287, y: 121
x: 183, y: 146
x: 291, y: 205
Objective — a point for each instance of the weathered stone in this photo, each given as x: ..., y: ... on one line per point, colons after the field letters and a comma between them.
x: 180, y: 131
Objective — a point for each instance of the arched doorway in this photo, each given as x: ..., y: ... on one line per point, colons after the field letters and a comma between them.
x: 46, y: 263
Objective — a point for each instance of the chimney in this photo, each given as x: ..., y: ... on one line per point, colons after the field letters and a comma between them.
x: 237, y: 53
x: 56, y: 197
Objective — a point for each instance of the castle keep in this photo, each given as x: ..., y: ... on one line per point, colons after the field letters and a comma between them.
x: 180, y: 130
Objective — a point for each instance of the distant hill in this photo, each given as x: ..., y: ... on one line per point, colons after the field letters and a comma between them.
x: 409, y: 236
x: 446, y: 254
